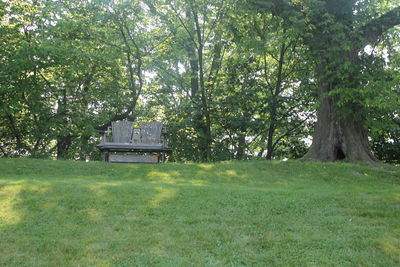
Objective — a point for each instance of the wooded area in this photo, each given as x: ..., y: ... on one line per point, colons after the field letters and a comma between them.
x: 229, y: 79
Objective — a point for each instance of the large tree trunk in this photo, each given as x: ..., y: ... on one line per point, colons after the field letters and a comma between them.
x: 337, y: 137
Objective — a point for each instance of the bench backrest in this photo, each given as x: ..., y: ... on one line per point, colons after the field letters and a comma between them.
x: 122, y: 131
x: 151, y: 132
x: 147, y: 133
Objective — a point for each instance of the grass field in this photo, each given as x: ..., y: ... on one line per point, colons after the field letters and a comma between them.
x: 258, y: 213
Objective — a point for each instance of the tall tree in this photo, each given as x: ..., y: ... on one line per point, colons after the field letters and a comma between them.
x: 193, y: 61
x: 336, y: 31
x: 262, y: 96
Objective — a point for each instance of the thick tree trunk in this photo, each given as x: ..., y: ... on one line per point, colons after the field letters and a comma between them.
x: 340, y: 133
x: 338, y: 138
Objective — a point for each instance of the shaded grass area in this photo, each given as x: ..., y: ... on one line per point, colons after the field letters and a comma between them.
x: 62, y: 213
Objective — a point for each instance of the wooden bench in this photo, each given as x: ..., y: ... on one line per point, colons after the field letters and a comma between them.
x: 149, y: 142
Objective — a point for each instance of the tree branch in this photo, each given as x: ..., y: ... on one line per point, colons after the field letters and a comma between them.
x: 276, y: 7
x: 184, y: 26
x: 375, y: 28
x: 287, y: 133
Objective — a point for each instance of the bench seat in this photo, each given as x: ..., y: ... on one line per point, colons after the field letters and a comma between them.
x: 127, y: 147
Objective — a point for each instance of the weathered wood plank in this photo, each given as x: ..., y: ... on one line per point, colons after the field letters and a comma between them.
x: 151, y: 132
x: 122, y: 131
x: 133, y: 158
x: 132, y: 147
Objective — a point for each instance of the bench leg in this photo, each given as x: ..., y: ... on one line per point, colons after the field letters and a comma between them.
x: 106, y: 156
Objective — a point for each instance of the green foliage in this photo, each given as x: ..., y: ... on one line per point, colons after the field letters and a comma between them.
x: 65, y: 78
x: 229, y: 81
x: 386, y: 143
x: 382, y: 81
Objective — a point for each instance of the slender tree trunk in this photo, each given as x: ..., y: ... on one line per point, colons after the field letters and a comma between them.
x: 205, y: 110
x: 274, y: 107
x: 194, y: 70
x: 83, y: 149
x: 270, y: 147
x: 241, y: 148
x: 63, y: 139
x: 204, y: 103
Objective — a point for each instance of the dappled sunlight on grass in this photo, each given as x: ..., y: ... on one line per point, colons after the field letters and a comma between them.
x: 391, y: 244
x: 101, y: 184
x: 222, y: 175
x: 282, y: 182
x: 234, y: 174
x: 396, y: 197
x: 11, y: 195
x: 197, y: 182
x: 98, y: 189
x: 128, y: 166
x: 165, y: 177
x: 163, y: 194
x: 223, y: 214
x: 206, y: 166
x: 94, y: 214
x: 174, y: 178
x: 159, y: 250
x: 8, y: 199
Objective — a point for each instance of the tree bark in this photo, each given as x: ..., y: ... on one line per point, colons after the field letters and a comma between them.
x: 270, y: 148
x: 338, y: 138
x: 241, y: 148
x: 206, y: 125
x: 274, y: 106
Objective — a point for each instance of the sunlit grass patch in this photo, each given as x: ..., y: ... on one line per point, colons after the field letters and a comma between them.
x: 8, y: 199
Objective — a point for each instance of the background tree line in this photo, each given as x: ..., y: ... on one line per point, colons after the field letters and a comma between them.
x: 230, y: 79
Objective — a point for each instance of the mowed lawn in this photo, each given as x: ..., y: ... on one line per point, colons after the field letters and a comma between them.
x: 257, y: 213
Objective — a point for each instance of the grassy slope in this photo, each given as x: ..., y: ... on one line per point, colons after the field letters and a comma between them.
x: 227, y: 214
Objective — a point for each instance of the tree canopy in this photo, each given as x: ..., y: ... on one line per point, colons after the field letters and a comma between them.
x: 230, y: 79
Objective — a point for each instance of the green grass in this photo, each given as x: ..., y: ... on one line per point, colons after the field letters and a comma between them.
x: 61, y: 213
